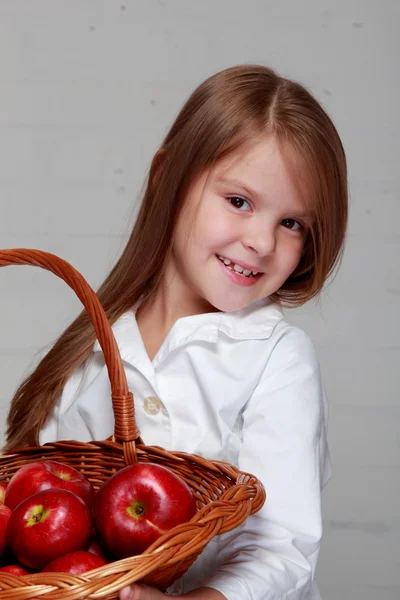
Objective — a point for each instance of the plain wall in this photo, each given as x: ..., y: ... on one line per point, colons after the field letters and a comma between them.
x: 87, y: 90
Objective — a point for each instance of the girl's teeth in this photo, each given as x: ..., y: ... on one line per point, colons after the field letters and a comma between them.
x: 226, y: 261
x: 237, y: 268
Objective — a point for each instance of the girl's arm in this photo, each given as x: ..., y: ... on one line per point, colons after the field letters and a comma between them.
x: 273, y: 554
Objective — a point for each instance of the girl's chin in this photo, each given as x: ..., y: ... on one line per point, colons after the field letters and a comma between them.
x: 227, y: 306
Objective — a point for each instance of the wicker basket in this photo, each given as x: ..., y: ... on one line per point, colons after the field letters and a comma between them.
x: 225, y: 496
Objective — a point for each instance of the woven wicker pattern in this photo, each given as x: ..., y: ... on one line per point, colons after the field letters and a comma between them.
x: 225, y: 496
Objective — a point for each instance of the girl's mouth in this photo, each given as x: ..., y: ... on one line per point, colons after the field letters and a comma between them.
x: 237, y: 273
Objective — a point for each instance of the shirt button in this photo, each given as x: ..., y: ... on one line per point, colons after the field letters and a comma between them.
x: 152, y: 405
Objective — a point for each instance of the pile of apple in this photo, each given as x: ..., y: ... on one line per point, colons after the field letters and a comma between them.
x: 52, y: 519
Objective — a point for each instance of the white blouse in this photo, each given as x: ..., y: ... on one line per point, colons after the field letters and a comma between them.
x: 242, y: 387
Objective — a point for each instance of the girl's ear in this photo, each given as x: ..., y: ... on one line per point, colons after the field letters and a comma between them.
x: 156, y: 167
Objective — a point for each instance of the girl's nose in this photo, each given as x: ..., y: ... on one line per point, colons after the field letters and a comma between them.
x: 262, y: 241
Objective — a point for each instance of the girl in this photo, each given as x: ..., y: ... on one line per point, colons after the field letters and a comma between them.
x: 245, y: 210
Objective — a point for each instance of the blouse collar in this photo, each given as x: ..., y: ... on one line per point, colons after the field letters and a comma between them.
x: 254, y: 322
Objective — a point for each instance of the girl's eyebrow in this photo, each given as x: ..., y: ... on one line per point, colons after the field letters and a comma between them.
x: 237, y: 183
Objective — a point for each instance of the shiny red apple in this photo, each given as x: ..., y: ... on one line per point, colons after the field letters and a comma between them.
x: 137, y: 505
x: 5, y: 514
x: 3, y: 487
x: 47, y: 525
x: 15, y: 570
x: 75, y: 563
x: 95, y: 548
x: 43, y: 475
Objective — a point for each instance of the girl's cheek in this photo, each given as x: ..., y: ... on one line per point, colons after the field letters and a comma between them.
x: 224, y: 227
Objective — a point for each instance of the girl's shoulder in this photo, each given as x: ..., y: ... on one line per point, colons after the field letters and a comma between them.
x: 270, y: 341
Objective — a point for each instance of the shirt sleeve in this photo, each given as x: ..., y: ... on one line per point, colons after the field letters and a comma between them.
x: 273, y: 554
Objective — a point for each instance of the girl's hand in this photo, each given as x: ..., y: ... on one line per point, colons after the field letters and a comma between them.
x: 141, y: 592
x: 144, y: 592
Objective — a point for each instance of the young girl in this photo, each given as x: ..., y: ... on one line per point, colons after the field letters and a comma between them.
x: 245, y: 211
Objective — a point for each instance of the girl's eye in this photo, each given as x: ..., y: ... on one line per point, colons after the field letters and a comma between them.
x: 292, y: 224
x: 238, y: 202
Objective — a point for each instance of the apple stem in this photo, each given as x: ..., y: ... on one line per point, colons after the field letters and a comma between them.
x: 63, y: 476
x: 39, y: 513
x: 136, y: 510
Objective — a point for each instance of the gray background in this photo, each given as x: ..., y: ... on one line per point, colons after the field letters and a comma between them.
x: 88, y: 89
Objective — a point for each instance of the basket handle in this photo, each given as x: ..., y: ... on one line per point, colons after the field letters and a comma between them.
x: 125, y: 429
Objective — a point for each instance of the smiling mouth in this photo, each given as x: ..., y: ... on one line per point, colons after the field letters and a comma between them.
x: 239, y: 270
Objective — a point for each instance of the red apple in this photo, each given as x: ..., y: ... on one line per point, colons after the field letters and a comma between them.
x: 5, y: 514
x: 38, y: 476
x: 75, y: 563
x: 137, y: 505
x: 95, y: 548
x: 15, y: 570
x: 3, y: 487
x: 47, y: 525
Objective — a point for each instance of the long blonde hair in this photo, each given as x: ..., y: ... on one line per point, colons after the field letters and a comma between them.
x: 228, y: 109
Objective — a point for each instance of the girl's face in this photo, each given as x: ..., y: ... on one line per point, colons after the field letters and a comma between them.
x: 241, y: 232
